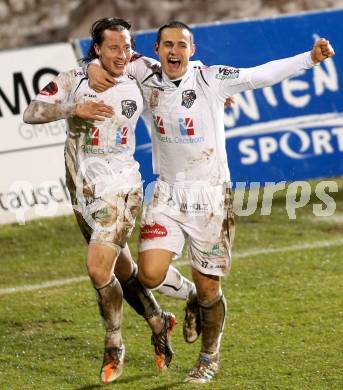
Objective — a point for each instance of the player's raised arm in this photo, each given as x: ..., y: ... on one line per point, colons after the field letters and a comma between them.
x: 229, y: 80
x: 276, y: 71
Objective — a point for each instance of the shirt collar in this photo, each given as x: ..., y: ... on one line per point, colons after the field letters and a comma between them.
x: 183, y: 79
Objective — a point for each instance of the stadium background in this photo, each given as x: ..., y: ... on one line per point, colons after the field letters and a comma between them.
x: 30, y: 22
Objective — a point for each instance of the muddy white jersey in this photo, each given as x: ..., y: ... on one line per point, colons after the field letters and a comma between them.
x: 106, y: 147
x: 187, y: 117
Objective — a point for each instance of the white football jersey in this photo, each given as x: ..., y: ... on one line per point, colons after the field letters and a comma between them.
x: 187, y: 123
x: 106, y: 145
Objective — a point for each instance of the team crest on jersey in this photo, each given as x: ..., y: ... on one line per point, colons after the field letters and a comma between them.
x: 188, y: 97
x: 154, y: 98
x: 128, y: 108
x: 50, y: 89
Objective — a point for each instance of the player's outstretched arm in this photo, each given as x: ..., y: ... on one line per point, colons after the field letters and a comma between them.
x: 39, y: 112
x: 274, y: 72
x: 321, y: 50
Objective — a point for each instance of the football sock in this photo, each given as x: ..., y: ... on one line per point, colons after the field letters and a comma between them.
x: 212, y: 317
x: 175, y: 285
x: 110, y: 302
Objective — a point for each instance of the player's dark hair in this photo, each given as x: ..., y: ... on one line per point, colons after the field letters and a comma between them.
x: 97, y: 33
x: 174, y: 24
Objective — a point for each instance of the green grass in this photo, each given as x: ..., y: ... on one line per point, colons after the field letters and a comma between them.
x: 284, y: 329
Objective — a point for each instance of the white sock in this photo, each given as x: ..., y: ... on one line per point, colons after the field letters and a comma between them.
x: 175, y: 285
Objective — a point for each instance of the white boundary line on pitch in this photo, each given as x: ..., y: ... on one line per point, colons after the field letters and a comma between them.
x: 238, y: 255
x: 299, y: 247
x: 33, y: 287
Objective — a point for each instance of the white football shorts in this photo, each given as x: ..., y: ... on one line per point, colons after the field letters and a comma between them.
x: 200, y: 215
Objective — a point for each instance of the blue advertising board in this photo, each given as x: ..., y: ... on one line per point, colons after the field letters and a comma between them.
x: 291, y: 131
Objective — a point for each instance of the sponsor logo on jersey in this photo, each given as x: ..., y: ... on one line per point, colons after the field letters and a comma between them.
x: 79, y: 73
x: 92, y: 137
x: 50, y: 89
x: 186, y: 132
x: 149, y: 232
x: 128, y: 108
x: 121, y: 136
x: 188, y: 98
x: 227, y: 73
x: 180, y: 140
x: 159, y: 124
x: 105, y: 150
x: 186, y: 126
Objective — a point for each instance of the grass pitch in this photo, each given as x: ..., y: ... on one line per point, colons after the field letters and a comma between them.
x: 285, y: 296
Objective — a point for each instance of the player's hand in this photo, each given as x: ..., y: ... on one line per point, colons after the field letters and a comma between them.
x: 321, y: 50
x: 93, y: 111
x: 229, y: 102
x: 99, y: 79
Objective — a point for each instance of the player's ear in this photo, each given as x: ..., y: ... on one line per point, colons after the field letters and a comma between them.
x: 97, y: 49
x: 156, y: 46
x: 193, y: 49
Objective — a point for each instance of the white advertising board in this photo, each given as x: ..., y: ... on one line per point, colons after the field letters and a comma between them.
x: 32, y: 174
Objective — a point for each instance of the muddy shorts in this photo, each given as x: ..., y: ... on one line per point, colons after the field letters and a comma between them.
x: 107, y: 220
x: 201, y: 216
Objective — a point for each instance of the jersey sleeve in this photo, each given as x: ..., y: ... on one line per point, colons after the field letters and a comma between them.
x: 141, y: 67
x: 196, y: 63
x: 227, y: 80
x: 59, y: 88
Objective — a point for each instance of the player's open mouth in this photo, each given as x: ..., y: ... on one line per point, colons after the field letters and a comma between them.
x: 174, y: 63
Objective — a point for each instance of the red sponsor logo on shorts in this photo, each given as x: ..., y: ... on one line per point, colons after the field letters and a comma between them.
x: 153, y: 231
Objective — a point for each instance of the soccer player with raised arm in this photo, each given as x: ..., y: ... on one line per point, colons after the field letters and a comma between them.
x: 192, y: 201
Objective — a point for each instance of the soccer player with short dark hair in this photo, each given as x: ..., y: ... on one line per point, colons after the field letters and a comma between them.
x: 192, y: 202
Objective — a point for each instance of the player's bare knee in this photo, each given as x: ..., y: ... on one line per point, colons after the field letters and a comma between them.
x: 208, y: 288
x: 153, y: 266
x: 209, y: 301
x: 98, y: 276
x: 98, y: 273
x: 101, y: 259
x: 149, y: 275
x: 149, y: 279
